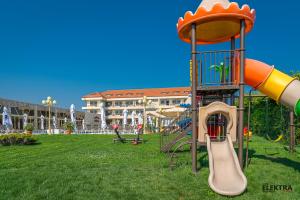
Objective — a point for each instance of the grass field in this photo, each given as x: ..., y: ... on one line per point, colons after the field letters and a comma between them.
x: 92, y: 167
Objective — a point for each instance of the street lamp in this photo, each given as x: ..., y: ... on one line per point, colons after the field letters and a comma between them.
x: 145, y: 102
x: 49, y: 102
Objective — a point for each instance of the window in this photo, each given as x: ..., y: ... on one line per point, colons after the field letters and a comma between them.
x: 165, y: 102
x: 93, y: 111
x: 176, y: 101
x: 118, y: 112
x: 119, y: 95
x: 129, y: 103
x: 118, y: 103
x: 93, y: 103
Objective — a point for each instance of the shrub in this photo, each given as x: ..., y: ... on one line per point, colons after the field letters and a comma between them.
x: 69, y: 126
x: 29, y: 127
x: 17, y: 139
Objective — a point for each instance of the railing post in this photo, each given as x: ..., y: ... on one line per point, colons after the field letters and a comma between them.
x: 232, y: 67
x: 241, y: 97
x: 292, y: 132
x: 194, y: 99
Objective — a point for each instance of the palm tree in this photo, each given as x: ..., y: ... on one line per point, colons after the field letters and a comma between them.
x: 220, y: 68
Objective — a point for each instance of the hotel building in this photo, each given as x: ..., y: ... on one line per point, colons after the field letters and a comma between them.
x: 116, y: 101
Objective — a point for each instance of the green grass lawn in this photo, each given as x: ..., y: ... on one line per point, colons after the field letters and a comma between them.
x: 92, y: 167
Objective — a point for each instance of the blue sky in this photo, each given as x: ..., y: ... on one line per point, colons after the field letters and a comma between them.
x: 69, y: 48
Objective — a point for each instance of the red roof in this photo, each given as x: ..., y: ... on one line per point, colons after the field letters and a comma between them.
x: 137, y: 93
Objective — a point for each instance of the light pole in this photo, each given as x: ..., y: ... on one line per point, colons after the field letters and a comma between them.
x: 159, y: 128
x: 160, y: 119
x: 49, y: 102
x: 145, y: 102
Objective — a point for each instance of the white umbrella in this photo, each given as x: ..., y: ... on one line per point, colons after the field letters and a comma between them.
x: 133, y: 118
x: 140, y: 119
x: 150, y: 121
x: 42, y: 122
x: 54, y: 122
x: 125, y: 115
x: 189, y: 100
x: 6, y: 119
x: 73, y: 116
x: 83, y: 124
x: 25, y: 118
x: 157, y: 122
x: 103, y: 116
x: 167, y: 122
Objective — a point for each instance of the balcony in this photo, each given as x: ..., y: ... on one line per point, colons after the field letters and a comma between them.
x: 130, y: 107
x: 90, y: 108
x: 114, y: 117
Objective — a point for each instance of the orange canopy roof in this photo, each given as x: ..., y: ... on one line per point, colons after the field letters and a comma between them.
x: 216, y: 20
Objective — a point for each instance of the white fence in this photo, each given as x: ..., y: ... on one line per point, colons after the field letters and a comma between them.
x: 79, y: 132
x: 89, y: 132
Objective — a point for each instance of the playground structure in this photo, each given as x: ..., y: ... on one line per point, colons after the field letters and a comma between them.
x: 121, y: 139
x: 217, y: 78
x: 176, y: 131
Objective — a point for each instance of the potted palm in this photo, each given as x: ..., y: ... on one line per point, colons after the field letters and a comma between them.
x: 69, y: 128
x: 28, y: 129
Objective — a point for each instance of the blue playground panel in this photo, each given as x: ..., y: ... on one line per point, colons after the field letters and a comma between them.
x: 184, y: 123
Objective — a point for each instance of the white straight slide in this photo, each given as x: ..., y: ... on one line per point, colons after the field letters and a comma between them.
x: 226, y: 176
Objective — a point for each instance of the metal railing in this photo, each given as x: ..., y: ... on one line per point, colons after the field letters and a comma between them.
x: 217, y: 68
x: 4, y: 131
x: 175, y: 128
